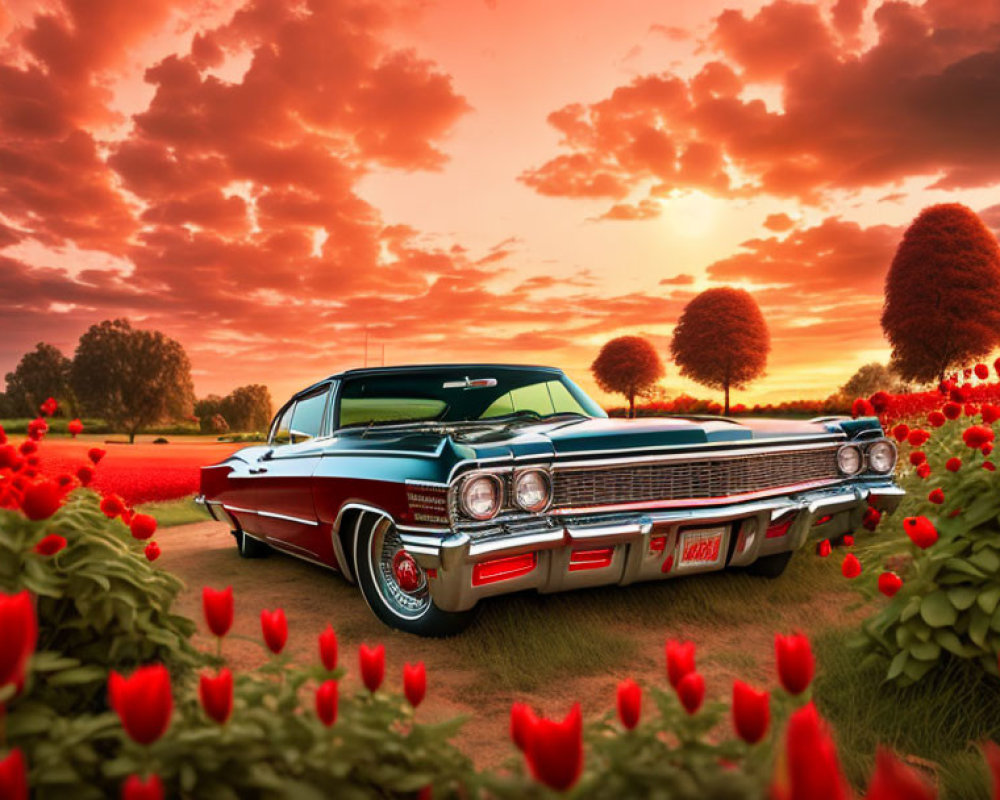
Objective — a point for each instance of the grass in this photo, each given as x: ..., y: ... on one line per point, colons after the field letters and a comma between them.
x: 940, y: 719
x: 169, y: 513
x: 528, y: 640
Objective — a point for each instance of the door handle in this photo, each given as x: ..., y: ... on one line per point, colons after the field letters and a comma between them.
x: 258, y: 470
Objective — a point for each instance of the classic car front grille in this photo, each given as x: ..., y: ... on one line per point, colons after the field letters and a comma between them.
x: 694, y: 479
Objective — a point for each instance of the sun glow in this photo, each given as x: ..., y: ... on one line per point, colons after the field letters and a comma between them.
x: 690, y: 213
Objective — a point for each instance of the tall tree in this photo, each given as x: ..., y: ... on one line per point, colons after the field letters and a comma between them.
x: 40, y: 374
x: 721, y: 340
x: 628, y: 365
x: 942, y: 293
x: 132, y: 378
x: 871, y: 378
x: 247, y: 408
x: 206, y: 409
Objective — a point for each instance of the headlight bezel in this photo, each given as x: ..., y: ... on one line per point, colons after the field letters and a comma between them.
x: 498, y: 495
x: 546, y: 479
x: 860, y: 460
x: 893, y: 458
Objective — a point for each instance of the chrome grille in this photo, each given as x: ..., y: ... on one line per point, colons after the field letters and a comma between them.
x: 697, y: 478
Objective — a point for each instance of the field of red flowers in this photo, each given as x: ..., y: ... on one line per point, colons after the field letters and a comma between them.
x: 139, y: 473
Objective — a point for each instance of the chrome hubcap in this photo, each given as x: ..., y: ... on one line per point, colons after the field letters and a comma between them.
x: 400, y: 580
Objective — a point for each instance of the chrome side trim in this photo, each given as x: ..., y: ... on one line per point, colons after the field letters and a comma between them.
x: 241, y: 510
x: 435, y: 484
x: 288, y: 518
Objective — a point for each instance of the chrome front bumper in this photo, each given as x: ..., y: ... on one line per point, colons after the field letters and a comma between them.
x: 643, y: 545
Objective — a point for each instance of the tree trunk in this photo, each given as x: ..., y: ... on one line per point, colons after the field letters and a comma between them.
x: 631, y: 405
x: 726, y: 412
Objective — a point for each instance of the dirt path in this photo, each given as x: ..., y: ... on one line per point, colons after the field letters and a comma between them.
x: 205, y: 554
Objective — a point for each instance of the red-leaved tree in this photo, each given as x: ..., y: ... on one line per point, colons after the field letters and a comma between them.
x: 942, y: 293
x: 628, y: 365
x: 721, y: 340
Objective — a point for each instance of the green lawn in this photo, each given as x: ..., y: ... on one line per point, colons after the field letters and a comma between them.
x: 169, y: 513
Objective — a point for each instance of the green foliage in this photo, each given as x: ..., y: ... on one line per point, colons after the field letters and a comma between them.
x: 40, y: 374
x: 949, y: 606
x: 101, y: 604
x: 169, y: 513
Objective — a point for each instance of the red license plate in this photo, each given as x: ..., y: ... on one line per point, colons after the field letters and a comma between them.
x: 701, y: 547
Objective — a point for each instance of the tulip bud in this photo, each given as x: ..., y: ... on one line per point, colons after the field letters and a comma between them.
x: 143, y: 702
x: 326, y: 702
x: 328, y: 648
x: 414, y: 683
x: 50, y: 545
x: 217, y: 607
x: 691, y: 691
x: 18, y: 632
x: 629, y: 703
x: 372, y: 661
x: 216, y: 694
x: 751, y: 712
x: 13, y: 776
x: 275, y: 629
x: 889, y: 583
x: 142, y: 526
x: 135, y: 788
x: 555, y: 751
x: 522, y: 723
x: 893, y: 779
x: 795, y: 662
x: 680, y: 660
x: 851, y: 567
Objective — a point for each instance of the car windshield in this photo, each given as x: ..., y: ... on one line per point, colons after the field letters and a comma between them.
x: 461, y: 394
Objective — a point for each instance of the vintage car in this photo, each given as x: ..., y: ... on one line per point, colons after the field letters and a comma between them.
x: 433, y: 487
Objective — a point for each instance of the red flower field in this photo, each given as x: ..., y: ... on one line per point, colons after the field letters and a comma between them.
x: 138, y: 473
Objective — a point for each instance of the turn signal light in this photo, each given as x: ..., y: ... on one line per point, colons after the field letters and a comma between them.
x: 502, y: 569
x: 778, y: 529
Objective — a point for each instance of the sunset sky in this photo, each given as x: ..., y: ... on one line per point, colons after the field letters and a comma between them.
x: 498, y: 180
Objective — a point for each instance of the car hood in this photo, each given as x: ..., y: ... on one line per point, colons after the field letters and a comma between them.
x: 579, y: 437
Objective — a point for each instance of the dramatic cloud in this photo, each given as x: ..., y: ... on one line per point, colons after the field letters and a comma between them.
x: 921, y: 98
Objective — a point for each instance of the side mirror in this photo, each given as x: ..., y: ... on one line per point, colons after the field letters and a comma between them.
x: 267, y: 455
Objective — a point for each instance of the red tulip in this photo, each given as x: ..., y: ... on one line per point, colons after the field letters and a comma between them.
x: 414, y: 683
x: 13, y: 777
x: 18, y: 632
x: 893, y: 780
x: 326, y: 702
x: 795, y: 662
x: 848, y: 540
x: 991, y: 413
x: 811, y: 759
x: 95, y: 454
x: 8, y: 457
x: 275, y: 629
x: 629, y: 699
x: 861, y: 408
x: 936, y: 496
x: 936, y: 419
x: 871, y: 518
x: 328, y: 648
x: 953, y: 464
x: 923, y: 470
x: 901, y: 431
x: 986, y: 449
x: 823, y: 549
x: 680, y: 660
x: 522, y: 723
x: 27, y: 447
x: 971, y: 409
x: 851, y: 567
x: 216, y: 694
x: 143, y: 702
x: 751, y: 712
x: 918, y: 436
x: 142, y: 526
x: 889, y: 583
x: 918, y: 457
x: 880, y: 401
x: 50, y: 545
x: 982, y: 371
x: 976, y: 436
x: 691, y: 691
x: 64, y: 481
x: 372, y: 661
x: 49, y: 407
x: 85, y: 474
x: 41, y: 500
x: 555, y: 750
x: 921, y: 531
x: 217, y: 607
x: 952, y: 410
x: 135, y: 788
x: 74, y: 427
x: 112, y: 506
x: 152, y: 551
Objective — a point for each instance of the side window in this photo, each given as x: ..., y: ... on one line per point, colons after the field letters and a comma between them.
x: 307, y: 418
x: 280, y: 434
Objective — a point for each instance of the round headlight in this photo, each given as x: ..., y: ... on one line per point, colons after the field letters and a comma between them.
x: 481, y: 496
x: 849, y: 460
x: 882, y: 456
x: 531, y: 490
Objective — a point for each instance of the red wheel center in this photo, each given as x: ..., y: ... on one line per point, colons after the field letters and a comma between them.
x: 406, y: 571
